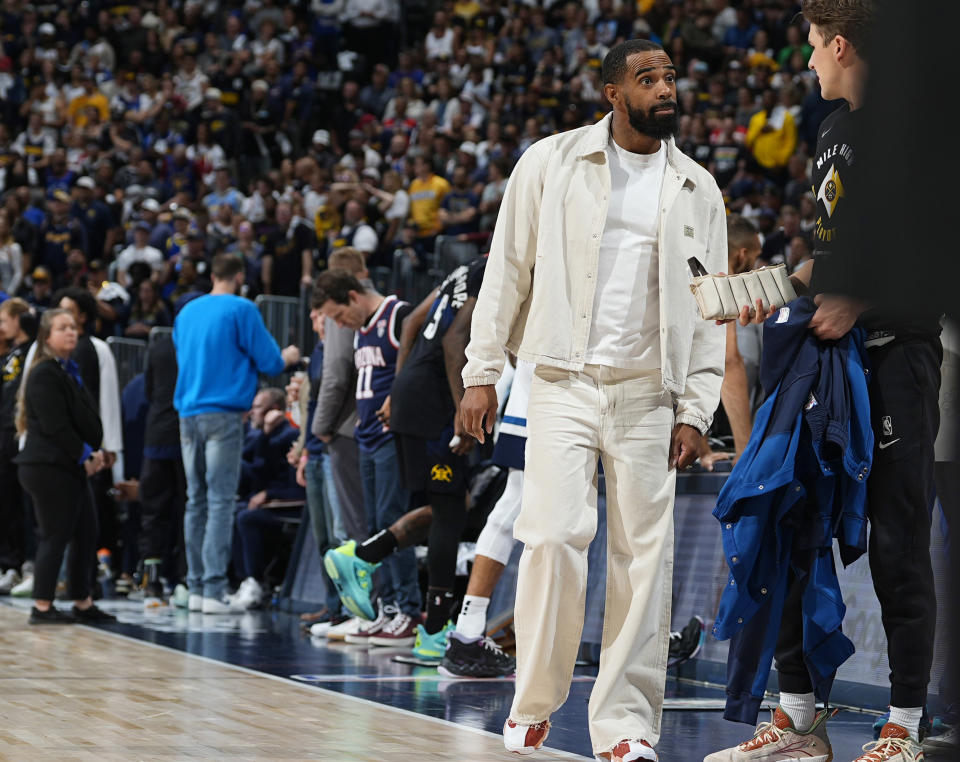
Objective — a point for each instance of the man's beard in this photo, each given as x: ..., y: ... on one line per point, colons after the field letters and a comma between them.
x: 658, y: 126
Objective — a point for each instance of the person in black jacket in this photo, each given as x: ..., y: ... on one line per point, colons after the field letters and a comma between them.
x: 17, y: 324
x: 62, y: 428
x: 163, y: 485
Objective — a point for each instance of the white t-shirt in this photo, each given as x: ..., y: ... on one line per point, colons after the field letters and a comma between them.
x: 400, y: 207
x: 439, y: 46
x: 132, y: 254
x: 625, y: 332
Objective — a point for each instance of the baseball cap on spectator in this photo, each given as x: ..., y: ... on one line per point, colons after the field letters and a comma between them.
x: 372, y: 172
x: 260, y: 84
x: 150, y: 204
x: 182, y: 213
x: 355, y: 134
x: 213, y: 93
x: 194, y: 232
x: 642, y: 28
x: 41, y: 273
x: 143, y: 225
x: 322, y: 137
x: 135, y: 190
x: 47, y: 28
x: 468, y: 146
x: 86, y: 182
x: 59, y: 195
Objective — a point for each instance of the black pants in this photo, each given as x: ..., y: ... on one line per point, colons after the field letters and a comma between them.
x: 13, y: 534
x: 65, y: 515
x: 905, y: 414
x: 446, y: 527
x: 948, y: 490
x: 163, y: 495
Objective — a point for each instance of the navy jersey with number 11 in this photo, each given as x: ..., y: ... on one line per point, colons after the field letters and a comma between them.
x: 375, y: 355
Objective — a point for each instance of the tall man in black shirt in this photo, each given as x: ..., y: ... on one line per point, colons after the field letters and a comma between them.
x: 905, y: 355
x: 432, y: 450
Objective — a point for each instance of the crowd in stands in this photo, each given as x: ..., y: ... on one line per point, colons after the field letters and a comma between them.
x: 139, y: 142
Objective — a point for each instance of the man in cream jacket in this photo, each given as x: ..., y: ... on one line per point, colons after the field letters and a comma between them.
x: 588, y: 279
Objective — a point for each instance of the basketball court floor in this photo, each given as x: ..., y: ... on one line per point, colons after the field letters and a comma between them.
x: 171, y: 685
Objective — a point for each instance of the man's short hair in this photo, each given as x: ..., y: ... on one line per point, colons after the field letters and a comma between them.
x: 277, y: 398
x: 347, y: 258
x: 615, y: 62
x: 851, y: 19
x: 740, y: 232
x: 226, y: 266
x: 82, y: 298
x: 14, y: 307
x: 335, y: 286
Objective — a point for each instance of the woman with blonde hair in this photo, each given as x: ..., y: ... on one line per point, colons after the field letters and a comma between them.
x: 58, y: 418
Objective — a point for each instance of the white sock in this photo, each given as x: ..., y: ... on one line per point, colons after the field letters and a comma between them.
x: 473, y: 616
x: 801, y: 708
x: 908, y: 719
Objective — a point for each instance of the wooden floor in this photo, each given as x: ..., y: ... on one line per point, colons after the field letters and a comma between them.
x: 75, y: 693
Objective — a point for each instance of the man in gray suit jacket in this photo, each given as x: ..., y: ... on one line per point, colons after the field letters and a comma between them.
x: 336, y: 414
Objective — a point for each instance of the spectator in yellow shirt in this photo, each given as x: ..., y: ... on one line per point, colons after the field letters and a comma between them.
x: 426, y: 191
x: 77, y: 110
x: 772, y: 136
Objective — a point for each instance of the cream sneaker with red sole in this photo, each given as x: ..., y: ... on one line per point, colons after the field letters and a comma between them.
x: 524, y: 739
x: 629, y: 750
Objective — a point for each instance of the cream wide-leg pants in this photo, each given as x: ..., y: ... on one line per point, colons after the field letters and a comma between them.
x: 625, y: 418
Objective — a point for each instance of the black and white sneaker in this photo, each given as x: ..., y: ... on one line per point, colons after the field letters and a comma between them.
x: 685, y: 645
x: 475, y: 658
x: 52, y: 615
x: 93, y: 614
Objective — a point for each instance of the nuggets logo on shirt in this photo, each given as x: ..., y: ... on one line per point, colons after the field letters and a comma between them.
x: 441, y: 473
x: 11, y: 370
x: 837, y: 158
x: 831, y: 190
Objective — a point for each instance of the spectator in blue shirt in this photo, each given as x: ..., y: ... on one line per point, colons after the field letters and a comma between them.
x: 459, y: 212
x: 223, y: 192
x: 221, y: 344
x: 740, y: 37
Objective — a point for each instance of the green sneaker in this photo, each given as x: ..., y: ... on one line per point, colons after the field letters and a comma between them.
x: 432, y: 647
x: 353, y: 578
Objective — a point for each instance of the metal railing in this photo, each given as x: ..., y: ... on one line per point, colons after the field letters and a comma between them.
x: 283, y: 317
x: 158, y: 333
x: 130, y: 356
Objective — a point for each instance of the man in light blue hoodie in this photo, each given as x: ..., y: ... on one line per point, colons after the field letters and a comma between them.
x: 221, y: 344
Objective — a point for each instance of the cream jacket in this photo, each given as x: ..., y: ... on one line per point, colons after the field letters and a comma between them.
x: 538, y: 289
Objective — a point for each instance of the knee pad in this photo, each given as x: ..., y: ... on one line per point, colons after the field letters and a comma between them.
x: 496, y: 539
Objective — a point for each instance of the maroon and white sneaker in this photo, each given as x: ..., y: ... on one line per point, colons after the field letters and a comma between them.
x: 629, y: 750
x: 399, y: 631
x: 524, y: 739
x: 385, y: 615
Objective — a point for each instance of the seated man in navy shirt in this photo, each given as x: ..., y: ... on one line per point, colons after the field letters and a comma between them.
x: 271, y: 478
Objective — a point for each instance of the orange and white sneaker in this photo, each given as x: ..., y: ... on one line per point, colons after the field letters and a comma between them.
x: 629, y: 750
x: 894, y: 745
x: 779, y: 741
x: 524, y: 739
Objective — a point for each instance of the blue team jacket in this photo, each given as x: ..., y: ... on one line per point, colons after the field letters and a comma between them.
x: 800, y: 482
